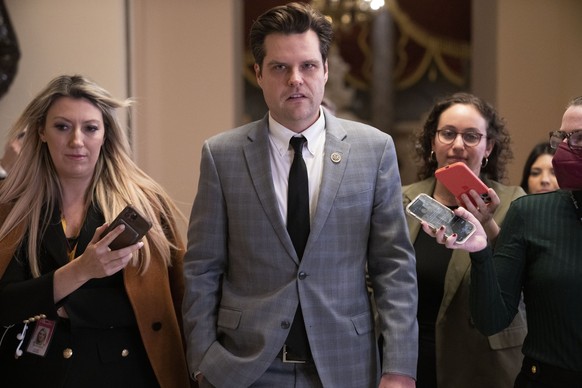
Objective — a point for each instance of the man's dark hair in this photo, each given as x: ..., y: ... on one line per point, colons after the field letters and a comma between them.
x: 292, y: 18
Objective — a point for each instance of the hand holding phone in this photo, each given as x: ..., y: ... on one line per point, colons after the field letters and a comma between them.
x: 136, y: 226
x: 459, y: 180
x: 427, y: 209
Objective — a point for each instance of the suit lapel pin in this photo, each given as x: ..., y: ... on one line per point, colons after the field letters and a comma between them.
x: 336, y: 157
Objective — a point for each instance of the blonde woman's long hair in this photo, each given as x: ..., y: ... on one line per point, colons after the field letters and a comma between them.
x: 34, y: 189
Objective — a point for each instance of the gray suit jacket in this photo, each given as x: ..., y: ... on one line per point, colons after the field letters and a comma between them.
x: 465, y: 357
x: 244, y: 280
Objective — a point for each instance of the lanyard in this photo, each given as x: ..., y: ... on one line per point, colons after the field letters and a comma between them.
x: 71, y: 242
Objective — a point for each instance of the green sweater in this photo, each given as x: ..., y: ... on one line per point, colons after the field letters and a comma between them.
x: 539, y: 251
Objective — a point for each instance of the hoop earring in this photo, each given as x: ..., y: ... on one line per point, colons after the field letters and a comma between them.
x: 431, y: 157
x: 484, y: 162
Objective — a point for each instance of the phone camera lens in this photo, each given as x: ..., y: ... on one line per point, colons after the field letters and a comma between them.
x: 133, y: 216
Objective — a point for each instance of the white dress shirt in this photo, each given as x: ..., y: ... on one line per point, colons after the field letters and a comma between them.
x: 281, y: 157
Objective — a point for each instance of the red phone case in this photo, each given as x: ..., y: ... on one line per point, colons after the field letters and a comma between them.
x: 459, y: 179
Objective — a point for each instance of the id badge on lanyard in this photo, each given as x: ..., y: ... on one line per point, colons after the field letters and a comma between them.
x: 41, y: 337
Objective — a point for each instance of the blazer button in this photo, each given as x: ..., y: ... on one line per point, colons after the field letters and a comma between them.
x: 302, y: 275
x: 157, y: 326
x: 285, y: 325
x: 124, y: 353
x: 68, y: 353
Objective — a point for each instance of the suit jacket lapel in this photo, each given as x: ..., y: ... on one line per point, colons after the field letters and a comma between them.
x: 93, y: 220
x: 54, y: 240
x: 54, y: 232
x: 261, y: 176
x: 461, y: 260
x: 425, y: 186
x: 458, y: 267
x: 9, y: 244
x: 257, y: 152
x: 333, y: 173
x: 459, y: 263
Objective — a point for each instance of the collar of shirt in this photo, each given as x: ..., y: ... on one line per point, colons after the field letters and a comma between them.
x: 314, y: 134
x: 281, y: 156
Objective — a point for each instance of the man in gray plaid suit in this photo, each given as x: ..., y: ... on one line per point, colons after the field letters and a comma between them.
x: 246, y: 283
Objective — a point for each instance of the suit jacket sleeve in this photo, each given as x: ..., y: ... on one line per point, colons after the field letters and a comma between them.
x: 206, y: 243
x: 17, y: 284
x: 392, y: 270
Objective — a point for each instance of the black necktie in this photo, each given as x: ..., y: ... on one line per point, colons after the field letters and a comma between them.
x: 298, y: 228
x: 298, y: 198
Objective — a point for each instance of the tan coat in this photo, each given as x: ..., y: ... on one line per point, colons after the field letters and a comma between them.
x: 156, y: 298
x: 465, y: 357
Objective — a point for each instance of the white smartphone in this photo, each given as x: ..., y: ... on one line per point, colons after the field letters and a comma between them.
x: 427, y: 209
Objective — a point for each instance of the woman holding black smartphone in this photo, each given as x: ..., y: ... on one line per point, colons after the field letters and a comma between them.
x: 452, y: 352
x: 111, y: 317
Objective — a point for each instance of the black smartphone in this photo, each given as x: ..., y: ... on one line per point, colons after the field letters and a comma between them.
x: 136, y: 226
x: 427, y: 209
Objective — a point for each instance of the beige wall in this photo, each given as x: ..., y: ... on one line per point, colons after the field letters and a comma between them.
x: 187, y: 77
x: 527, y: 61
x: 65, y: 36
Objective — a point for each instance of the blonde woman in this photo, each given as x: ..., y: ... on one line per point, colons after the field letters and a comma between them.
x: 111, y: 316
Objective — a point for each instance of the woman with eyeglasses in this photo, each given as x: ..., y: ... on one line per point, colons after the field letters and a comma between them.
x: 538, y: 253
x: 452, y: 352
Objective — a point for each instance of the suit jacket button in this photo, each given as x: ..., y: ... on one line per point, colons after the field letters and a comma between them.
x: 68, y: 353
x: 124, y: 353
x: 285, y: 325
x: 302, y: 275
x: 157, y: 326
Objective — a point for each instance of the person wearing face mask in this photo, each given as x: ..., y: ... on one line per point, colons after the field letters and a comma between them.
x: 537, y: 253
x: 538, y: 173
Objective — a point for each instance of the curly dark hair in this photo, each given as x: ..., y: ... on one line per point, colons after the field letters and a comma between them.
x: 496, y: 131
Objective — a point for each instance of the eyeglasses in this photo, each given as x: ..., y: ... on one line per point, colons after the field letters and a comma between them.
x: 448, y: 136
x: 574, y: 139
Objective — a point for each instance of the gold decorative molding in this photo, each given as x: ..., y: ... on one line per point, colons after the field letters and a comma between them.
x: 436, y: 49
